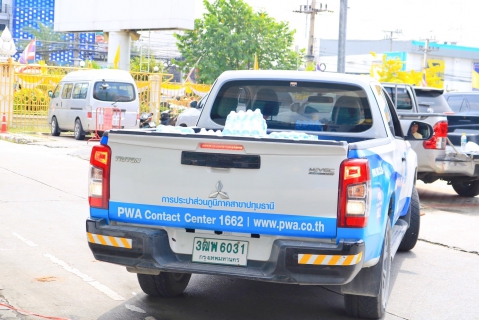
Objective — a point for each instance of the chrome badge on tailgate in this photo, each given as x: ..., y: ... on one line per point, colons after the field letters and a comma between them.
x: 322, y: 171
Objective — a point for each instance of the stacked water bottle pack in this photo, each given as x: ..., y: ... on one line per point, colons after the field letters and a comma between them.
x: 173, y: 129
x: 295, y: 135
x: 246, y: 124
x: 241, y: 124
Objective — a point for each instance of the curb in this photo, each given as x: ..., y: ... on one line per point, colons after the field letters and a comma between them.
x: 18, y: 138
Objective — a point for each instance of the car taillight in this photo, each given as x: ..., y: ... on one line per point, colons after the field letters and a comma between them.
x: 439, y: 139
x: 354, y: 193
x: 99, y: 177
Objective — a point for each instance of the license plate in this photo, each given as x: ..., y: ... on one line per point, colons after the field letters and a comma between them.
x: 216, y: 251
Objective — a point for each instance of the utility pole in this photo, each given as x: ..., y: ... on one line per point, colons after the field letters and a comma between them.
x: 76, y: 49
x: 390, y: 37
x: 312, y: 11
x: 343, y: 18
x: 426, y: 50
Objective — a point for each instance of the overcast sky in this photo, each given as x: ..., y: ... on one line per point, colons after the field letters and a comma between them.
x: 452, y: 21
x: 456, y: 21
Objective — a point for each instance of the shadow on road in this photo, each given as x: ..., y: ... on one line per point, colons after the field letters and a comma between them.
x: 210, y: 297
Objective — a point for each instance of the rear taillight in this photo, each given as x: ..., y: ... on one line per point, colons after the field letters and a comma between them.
x: 439, y: 139
x: 89, y: 114
x: 99, y: 177
x: 354, y: 193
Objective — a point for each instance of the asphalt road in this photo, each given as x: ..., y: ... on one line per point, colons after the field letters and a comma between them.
x: 46, y: 266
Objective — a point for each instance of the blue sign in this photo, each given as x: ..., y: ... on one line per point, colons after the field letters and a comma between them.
x: 218, y: 220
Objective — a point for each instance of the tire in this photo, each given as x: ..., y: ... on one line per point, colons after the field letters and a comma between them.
x: 78, y: 131
x: 410, y: 238
x: 466, y: 189
x: 166, y: 284
x: 374, y: 307
x: 54, y: 130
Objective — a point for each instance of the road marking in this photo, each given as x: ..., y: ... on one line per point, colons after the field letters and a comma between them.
x: 97, y: 285
x: 134, y: 308
x: 30, y: 243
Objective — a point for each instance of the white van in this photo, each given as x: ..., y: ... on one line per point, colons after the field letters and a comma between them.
x: 79, y: 100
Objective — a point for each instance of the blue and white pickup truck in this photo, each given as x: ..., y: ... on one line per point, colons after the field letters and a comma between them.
x: 325, y: 196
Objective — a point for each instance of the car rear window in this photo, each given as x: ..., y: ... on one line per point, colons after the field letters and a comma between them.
x: 432, y: 99
x: 291, y: 105
x: 113, y: 91
x: 473, y: 101
x: 463, y: 102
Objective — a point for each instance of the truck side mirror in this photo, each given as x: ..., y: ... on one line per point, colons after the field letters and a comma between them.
x: 50, y: 93
x: 419, y: 131
x: 194, y: 104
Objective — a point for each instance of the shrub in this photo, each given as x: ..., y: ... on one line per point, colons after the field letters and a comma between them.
x: 31, y: 100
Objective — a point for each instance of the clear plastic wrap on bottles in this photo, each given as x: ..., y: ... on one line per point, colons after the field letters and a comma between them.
x: 247, y: 124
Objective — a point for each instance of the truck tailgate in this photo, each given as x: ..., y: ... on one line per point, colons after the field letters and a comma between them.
x: 272, y: 187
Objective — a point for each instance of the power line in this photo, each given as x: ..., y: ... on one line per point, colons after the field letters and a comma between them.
x: 312, y: 11
x: 390, y: 37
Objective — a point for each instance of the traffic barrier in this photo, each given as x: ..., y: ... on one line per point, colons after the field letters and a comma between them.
x: 106, y: 118
x: 4, y: 124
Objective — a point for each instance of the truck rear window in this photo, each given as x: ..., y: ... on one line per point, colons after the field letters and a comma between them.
x: 290, y: 105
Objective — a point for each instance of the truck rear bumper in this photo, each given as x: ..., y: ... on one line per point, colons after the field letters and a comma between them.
x: 149, y: 251
x: 458, y: 164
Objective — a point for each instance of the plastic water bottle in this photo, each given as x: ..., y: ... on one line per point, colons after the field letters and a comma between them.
x: 463, y: 142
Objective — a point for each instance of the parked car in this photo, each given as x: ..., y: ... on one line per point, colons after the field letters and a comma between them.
x: 463, y: 102
x: 432, y: 100
x: 84, y: 102
x: 466, y: 117
x: 189, y: 117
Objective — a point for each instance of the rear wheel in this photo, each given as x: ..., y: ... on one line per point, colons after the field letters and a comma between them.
x: 55, y: 131
x: 78, y: 131
x: 466, y: 189
x: 374, y: 307
x: 166, y: 284
x: 410, y: 238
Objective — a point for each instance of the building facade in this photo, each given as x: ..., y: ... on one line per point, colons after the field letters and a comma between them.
x: 461, y: 64
x: 19, y: 15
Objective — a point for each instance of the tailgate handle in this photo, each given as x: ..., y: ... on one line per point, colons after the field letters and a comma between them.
x: 220, y: 160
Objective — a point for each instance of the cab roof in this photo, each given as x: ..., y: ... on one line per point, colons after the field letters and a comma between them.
x: 291, y: 75
x: 99, y: 74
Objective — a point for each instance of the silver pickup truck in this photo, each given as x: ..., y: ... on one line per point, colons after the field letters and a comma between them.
x: 438, y: 158
x: 317, y: 189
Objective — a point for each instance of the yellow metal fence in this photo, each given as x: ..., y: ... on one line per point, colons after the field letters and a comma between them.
x: 24, y: 98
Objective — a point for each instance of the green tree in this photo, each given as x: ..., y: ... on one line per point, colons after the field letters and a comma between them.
x: 228, y: 37
x: 48, y: 39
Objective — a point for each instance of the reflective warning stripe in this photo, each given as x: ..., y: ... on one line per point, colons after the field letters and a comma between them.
x: 109, y: 241
x: 329, y: 260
